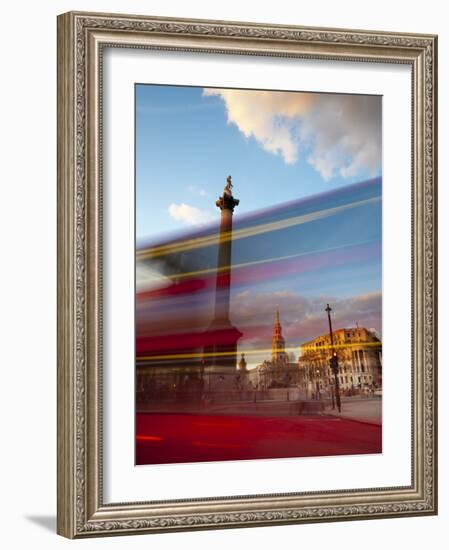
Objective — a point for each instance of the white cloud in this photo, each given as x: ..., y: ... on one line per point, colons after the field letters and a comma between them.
x: 336, y: 134
x: 189, y: 214
x: 344, y: 135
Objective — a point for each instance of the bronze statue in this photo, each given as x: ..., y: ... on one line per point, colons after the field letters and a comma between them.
x: 228, y: 186
x: 227, y: 201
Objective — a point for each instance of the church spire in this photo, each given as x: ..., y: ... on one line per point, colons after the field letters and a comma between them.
x: 278, y: 342
x: 242, y: 363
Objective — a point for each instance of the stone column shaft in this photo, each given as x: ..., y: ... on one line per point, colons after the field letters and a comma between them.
x: 223, y: 281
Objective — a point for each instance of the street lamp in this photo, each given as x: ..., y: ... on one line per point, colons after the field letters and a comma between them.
x: 334, y: 360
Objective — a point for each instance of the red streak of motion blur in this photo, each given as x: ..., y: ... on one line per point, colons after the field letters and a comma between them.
x: 174, y: 438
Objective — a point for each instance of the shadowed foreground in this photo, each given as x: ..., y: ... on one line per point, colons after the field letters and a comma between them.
x: 174, y: 438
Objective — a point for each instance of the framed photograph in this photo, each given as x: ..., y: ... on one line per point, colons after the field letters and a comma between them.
x: 246, y: 274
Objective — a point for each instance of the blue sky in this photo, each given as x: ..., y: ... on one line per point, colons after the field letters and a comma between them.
x: 186, y: 146
x: 279, y: 147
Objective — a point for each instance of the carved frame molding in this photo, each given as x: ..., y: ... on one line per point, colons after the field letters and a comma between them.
x: 81, y: 39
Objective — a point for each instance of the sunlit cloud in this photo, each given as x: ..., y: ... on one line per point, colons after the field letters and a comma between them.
x: 336, y: 134
x: 302, y: 318
x: 189, y: 215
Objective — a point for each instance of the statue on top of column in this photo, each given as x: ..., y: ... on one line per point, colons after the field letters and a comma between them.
x: 228, y: 187
x: 227, y: 201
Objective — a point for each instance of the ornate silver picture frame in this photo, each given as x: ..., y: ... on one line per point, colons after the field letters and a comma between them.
x: 82, y: 509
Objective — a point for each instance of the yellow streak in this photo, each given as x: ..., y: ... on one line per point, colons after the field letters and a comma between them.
x: 252, y: 352
x: 258, y: 262
x: 210, y: 240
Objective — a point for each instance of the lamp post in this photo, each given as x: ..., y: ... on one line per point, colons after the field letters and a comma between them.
x: 334, y: 360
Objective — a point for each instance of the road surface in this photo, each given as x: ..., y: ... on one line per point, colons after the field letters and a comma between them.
x: 176, y: 438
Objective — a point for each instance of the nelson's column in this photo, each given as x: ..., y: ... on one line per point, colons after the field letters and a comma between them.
x: 221, y: 351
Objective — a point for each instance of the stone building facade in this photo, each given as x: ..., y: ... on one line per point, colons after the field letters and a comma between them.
x: 359, y: 353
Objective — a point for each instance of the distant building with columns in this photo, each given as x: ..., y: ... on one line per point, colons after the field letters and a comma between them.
x: 359, y: 353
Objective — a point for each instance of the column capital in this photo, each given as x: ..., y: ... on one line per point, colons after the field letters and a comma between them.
x: 227, y: 202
